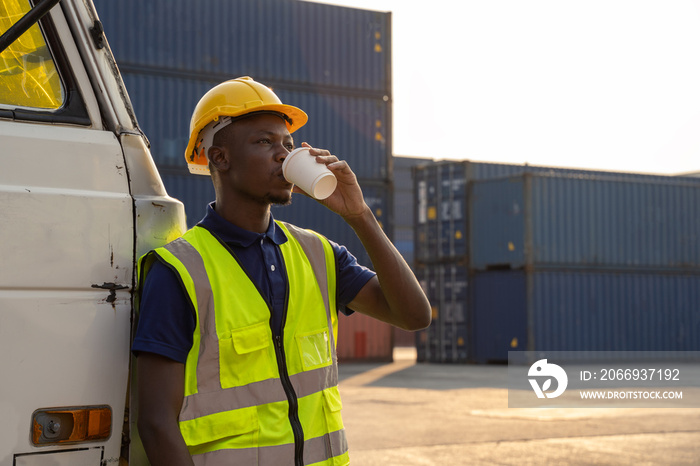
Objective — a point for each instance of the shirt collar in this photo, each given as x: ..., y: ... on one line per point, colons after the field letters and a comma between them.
x: 230, y: 233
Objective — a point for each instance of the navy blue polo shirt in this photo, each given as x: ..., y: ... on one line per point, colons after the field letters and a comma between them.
x: 166, y: 320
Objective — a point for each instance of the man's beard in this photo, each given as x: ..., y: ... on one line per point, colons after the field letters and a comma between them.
x: 279, y: 200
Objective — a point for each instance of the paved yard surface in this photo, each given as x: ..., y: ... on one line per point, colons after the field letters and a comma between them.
x: 407, y: 414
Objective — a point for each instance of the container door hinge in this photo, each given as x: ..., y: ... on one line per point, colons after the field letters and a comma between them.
x: 112, y: 287
x: 97, y: 33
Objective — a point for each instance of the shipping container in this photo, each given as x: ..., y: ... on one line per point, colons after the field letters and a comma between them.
x: 404, y: 338
x: 582, y: 311
x: 471, y: 170
x: 353, y: 127
x: 404, y: 203
x: 333, y: 62
x: 440, y: 212
x: 441, y: 191
x: 275, y: 41
x: 446, y: 340
x: 363, y: 338
x: 561, y: 220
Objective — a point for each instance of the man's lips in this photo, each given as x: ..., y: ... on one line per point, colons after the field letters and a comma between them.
x: 280, y: 174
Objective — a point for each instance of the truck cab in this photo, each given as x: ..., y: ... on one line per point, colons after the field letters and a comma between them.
x: 80, y: 200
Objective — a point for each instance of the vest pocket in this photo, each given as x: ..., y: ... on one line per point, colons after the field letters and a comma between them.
x: 234, y: 429
x: 314, y: 349
x: 332, y: 406
x: 246, y: 356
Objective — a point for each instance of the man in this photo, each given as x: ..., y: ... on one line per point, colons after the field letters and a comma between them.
x: 238, y: 319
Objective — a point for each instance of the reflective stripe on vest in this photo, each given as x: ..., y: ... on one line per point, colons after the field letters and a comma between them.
x: 216, y: 418
x: 279, y: 455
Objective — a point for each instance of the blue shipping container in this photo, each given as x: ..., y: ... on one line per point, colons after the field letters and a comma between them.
x: 474, y: 170
x: 404, y: 205
x: 573, y: 310
x: 560, y: 220
x: 275, y: 41
x: 446, y: 340
x: 440, y: 216
x: 354, y: 128
x: 441, y: 200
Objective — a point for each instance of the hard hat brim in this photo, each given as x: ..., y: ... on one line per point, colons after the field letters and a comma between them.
x: 236, y: 98
x: 296, y: 118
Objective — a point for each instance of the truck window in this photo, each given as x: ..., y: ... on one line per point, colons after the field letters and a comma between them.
x: 28, y: 74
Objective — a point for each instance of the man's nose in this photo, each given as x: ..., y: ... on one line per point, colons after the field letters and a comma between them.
x: 281, y: 153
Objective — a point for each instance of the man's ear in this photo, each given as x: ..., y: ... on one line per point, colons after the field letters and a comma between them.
x: 218, y: 157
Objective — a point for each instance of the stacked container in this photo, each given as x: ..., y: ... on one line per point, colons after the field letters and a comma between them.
x: 333, y: 62
x: 542, y: 251
x: 404, y: 211
x: 584, y: 263
x: 441, y: 241
x: 447, y: 338
x: 404, y: 223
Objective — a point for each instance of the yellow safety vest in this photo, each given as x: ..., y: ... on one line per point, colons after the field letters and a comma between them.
x: 253, y: 398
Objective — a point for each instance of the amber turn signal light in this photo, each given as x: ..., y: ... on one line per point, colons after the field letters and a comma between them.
x: 71, y: 425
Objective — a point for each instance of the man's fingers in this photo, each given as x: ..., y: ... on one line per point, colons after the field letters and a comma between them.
x: 327, y: 159
x: 339, y: 165
x: 324, y: 156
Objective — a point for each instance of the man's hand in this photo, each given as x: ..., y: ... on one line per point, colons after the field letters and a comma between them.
x: 394, y: 295
x: 347, y: 199
x: 161, y: 389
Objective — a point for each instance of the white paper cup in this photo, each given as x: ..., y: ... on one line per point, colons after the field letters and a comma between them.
x: 301, y: 168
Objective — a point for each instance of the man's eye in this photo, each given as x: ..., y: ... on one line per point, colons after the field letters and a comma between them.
x: 264, y: 141
x: 290, y: 147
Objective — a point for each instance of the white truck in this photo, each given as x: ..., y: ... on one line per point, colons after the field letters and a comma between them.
x: 80, y: 200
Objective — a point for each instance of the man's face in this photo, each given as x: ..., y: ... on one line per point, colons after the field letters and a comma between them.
x: 257, y: 146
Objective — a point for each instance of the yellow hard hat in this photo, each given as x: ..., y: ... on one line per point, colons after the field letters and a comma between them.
x: 233, y: 98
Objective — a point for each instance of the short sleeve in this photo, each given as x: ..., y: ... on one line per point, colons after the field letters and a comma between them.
x: 166, y: 320
x: 350, y: 277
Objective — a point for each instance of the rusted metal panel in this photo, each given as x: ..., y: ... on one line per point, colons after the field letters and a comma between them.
x: 362, y: 338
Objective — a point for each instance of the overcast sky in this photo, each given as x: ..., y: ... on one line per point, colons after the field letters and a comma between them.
x: 604, y: 84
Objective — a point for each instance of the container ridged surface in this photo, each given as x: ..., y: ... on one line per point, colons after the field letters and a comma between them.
x: 404, y: 211
x: 442, y: 213
x: 446, y: 340
x: 354, y: 128
x: 362, y: 338
x: 574, y: 310
x: 276, y: 41
x: 588, y: 222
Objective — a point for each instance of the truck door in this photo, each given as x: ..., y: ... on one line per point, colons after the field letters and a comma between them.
x: 66, y: 255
